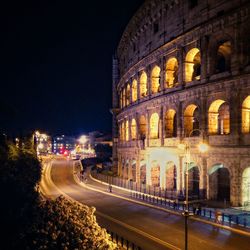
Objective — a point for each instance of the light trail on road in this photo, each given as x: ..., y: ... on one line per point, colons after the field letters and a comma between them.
x: 142, y: 225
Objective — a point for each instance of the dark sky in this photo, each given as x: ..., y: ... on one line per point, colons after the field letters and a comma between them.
x: 56, y: 63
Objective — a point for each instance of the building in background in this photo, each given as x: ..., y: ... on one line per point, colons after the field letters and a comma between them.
x: 43, y: 143
x: 63, y: 144
x: 182, y: 74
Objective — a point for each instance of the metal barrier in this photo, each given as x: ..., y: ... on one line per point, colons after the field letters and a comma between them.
x: 122, y: 242
x: 168, y: 198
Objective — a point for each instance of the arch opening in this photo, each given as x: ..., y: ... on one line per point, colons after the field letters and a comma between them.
x: 155, y: 80
x: 245, y: 127
x: 155, y: 174
x: 142, y: 127
x: 191, y: 120
x: 154, y: 126
x: 170, y: 124
x: 133, y: 129
x: 134, y: 91
x: 246, y: 187
x: 171, y: 176
x: 128, y: 95
x: 223, y: 57
x: 143, y: 85
x: 193, y: 65
x: 143, y: 172
x: 219, y: 183
x: 171, y: 73
x: 219, y: 118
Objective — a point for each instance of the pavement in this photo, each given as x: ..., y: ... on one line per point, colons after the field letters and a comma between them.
x: 146, y: 225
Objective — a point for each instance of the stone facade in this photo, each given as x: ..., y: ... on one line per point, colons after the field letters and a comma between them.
x: 182, y: 75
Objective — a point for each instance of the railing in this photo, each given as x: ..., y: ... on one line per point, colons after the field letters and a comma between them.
x: 168, y: 198
x: 143, y: 188
x: 122, y: 242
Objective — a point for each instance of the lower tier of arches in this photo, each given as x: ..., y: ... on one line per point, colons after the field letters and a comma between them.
x: 219, y: 176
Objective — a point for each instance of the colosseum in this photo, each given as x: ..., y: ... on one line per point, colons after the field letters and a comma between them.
x: 181, y: 80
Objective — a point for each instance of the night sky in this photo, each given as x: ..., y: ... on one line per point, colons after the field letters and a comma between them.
x: 56, y: 59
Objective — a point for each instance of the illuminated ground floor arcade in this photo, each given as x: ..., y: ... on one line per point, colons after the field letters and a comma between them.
x: 219, y: 176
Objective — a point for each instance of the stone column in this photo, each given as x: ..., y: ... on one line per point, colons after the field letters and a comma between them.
x: 204, y: 51
x: 181, y: 65
x: 179, y: 120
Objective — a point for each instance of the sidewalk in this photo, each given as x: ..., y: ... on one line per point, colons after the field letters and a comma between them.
x: 153, y: 202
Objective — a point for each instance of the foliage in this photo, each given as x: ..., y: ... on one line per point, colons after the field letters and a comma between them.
x: 29, y: 222
x: 20, y: 172
x: 63, y: 224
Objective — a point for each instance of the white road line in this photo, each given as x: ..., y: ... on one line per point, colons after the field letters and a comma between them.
x: 155, y: 239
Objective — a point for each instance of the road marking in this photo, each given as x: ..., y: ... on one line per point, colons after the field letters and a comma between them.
x: 47, y: 175
x: 235, y: 230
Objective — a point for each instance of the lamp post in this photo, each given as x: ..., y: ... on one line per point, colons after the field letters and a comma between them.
x: 202, y: 147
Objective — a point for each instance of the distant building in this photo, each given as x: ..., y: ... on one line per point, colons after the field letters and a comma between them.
x: 63, y: 144
x: 43, y: 144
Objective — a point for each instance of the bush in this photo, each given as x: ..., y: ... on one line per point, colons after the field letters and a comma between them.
x: 62, y: 224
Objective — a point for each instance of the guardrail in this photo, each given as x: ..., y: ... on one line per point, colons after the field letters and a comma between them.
x: 122, y: 242
x: 169, y: 199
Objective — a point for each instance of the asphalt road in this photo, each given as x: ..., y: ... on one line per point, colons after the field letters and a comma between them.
x: 147, y: 227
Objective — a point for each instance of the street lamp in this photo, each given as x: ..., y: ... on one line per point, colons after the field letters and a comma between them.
x: 202, y: 147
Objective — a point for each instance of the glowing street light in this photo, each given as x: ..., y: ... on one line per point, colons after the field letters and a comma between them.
x: 202, y: 147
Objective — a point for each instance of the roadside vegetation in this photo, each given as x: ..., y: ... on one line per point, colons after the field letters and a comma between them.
x: 28, y: 221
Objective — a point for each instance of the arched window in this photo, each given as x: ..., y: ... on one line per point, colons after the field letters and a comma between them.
x: 123, y: 131
x: 124, y: 98
x: 133, y: 129
x: 219, y: 118
x: 171, y: 73
x: 154, y: 126
x: 246, y: 116
x: 143, y: 85
x: 155, y: 79
x: 142, y: 127
x: 134, y: 91
x: 223, y: 57
x: 191, y: 120
x: 193, y: 65
x: 126, y: 131
x: 170, y: 124
x: 128, y: 95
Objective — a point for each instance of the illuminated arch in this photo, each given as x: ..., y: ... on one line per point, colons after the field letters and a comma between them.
x: 154, y: 126
x: 155, y: 174
x: 171, y: 72
x: 133, y: 129
x: 124, y: 98
x: 128, y: 95
x: 142, y: 127
x: 143, y: 84
x: 170, y: 124
x: 193, y: 65
x: 126, y: 131
x: 191, y: 120
x: 246, y: 187
x: 155, y: 79
x: 245, y: 128
x: 123, y: 131
x: 219, y: 118
x: 223, y: 57
x: 134, y: 91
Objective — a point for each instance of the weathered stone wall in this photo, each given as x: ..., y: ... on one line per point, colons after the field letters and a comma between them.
x: 162, y: 30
